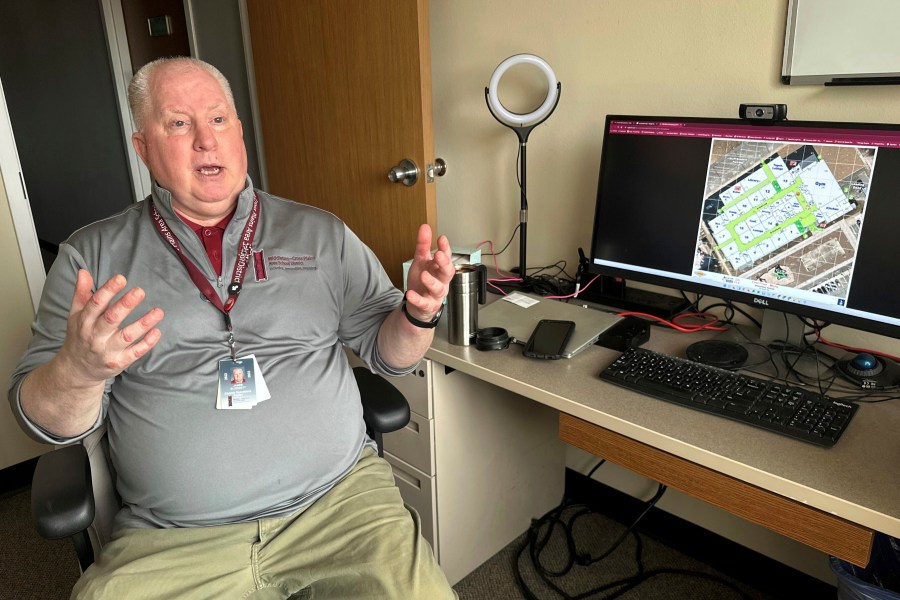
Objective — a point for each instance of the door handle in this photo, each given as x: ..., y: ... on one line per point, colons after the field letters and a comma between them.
x: 438, y: 169
x: 406, y: 173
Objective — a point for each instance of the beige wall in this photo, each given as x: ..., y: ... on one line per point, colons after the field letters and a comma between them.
x: 16, y: 314
x: 655, y: 57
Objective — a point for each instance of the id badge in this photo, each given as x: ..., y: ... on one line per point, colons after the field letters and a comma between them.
x: 237, y: 384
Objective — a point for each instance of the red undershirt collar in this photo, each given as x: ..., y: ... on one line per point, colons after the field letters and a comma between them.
x: 199, y: 228
x: 211, y: 236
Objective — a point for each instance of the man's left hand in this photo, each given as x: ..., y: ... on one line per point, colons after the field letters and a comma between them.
x: 429, y: 276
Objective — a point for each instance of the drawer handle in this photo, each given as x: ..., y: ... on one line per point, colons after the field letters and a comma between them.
x: 406, y: 477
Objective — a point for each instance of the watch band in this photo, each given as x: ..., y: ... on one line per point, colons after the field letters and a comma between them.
x: 419, y: 323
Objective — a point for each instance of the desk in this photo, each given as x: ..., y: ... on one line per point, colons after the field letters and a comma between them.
x: 831, y: 499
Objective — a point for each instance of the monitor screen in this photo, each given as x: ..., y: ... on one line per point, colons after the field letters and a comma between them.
x: 801, y: 217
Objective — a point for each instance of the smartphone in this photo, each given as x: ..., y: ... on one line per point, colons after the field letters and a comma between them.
x: 549, y: 339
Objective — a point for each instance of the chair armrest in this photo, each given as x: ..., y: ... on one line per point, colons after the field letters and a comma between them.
x: 385, y: 408
x: 62, y: 499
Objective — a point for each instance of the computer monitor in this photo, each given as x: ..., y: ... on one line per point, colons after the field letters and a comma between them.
x: 799, y: 217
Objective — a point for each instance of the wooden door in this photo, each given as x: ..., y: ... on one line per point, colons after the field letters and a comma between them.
x: 344, y: 94
x: 145, y: 45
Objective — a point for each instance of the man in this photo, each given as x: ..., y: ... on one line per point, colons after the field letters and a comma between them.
x: 237, y: 375
x: 287, y: 499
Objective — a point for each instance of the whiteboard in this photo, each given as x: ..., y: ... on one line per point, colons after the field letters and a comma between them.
x: 842, y: 42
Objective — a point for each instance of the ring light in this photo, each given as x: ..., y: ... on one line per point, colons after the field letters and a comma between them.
x: 522, y: 125
x: 544, y: 110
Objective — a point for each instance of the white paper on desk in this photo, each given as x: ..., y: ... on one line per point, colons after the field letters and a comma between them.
x: 520, y: 299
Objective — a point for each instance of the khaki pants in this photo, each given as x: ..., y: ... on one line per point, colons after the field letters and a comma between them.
x: 357, y: 541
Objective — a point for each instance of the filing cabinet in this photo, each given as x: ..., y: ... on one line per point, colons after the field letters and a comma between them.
x: 411, y: 450
x: 476, y: 462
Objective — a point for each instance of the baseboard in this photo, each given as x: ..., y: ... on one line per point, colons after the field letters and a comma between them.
x: 722, y: 554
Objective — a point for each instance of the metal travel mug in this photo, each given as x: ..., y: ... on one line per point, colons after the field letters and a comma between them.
x: 468, y: 289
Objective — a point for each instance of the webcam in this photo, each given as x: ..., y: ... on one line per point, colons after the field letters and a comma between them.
x: 763, y: 112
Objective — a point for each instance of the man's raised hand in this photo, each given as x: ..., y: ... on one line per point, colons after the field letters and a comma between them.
x: 96, y: 347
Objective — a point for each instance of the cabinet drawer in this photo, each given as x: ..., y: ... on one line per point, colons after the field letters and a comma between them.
x: 417, y: 388
x: 417, y: 490
x: 414, y: 443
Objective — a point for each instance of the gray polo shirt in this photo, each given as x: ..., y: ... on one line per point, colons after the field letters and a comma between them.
x: 180, y: 461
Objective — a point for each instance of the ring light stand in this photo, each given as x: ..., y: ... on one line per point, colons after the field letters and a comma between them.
x: 522, y: 124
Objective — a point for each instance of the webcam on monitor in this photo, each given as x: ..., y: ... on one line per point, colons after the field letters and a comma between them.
x: 767, y: 113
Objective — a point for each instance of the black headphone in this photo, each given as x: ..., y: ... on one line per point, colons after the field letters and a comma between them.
x: 492, y: 338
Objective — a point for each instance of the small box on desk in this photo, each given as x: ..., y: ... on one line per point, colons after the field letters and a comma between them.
x: 460, y: 256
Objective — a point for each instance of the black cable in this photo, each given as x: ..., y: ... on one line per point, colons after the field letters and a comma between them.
x: 785, y: 346
x: 813, y: 324
x: 541, y: 531
x: 736, y: 308
x: 511, y: 238
x: 770, y: 359
x: 791, y: 355
x: 560, y: 269
x: 731, y: 308
x: 873, y: 396
x: 597, y: 466
x: 551, y: 284
x: 660, y: 490
x: 692, y: 306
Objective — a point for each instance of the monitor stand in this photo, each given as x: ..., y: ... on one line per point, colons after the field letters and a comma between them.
x: 782, y: 327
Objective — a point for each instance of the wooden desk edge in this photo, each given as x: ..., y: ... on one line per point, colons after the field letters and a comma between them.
x: 811, y: 526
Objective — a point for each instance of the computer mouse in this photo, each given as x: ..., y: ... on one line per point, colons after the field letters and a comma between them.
x: 865, y: 364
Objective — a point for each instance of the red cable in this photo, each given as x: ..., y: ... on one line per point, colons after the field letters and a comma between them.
x: 709, y: 325
x: 819, y: 338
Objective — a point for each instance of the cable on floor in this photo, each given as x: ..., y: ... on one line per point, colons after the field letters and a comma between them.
x: 542, y: 529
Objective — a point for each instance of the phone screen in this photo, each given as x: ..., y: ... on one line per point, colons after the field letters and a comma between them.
x: 549, y: 339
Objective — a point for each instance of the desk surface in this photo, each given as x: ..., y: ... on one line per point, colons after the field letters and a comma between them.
x: 857, y: 479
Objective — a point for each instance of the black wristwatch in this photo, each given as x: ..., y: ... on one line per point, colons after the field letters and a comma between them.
x: 418, y: 323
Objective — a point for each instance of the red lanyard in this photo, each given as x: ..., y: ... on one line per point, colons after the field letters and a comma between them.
x: 240, y: 263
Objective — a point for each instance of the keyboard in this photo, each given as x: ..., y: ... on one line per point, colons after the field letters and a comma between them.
x: 786, y: 409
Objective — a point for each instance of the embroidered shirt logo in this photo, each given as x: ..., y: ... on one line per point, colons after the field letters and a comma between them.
x: 293, y: 263
x: 260, y: 269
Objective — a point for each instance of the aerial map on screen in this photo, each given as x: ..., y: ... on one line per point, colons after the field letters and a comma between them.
x: 786, y: 215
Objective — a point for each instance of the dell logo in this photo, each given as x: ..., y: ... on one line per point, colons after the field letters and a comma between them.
x: 762, y: 301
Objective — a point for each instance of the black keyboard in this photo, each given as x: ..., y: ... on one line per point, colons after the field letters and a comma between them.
x: 789, y: 410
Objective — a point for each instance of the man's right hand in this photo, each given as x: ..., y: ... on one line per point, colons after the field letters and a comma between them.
x: 95, y: 347
x: 64, y: 395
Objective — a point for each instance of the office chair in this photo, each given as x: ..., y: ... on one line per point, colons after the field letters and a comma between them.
x: 73, y: 488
